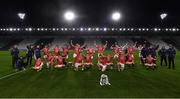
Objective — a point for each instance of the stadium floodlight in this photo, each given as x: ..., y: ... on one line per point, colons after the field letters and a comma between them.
x: 177, y: 29
x: 10, y: 29
x: 81, y: 29
x: 166, y: 29
x: 65, y: 29
x: 69, y: 16
x: 155, y: 29
x: 120, y: 29
x: 163, y: 16
x: 147, y: 29
x: 105, y: 29
x: 30, y: 29
x: 21, y: 16
x: 132, y: 29
x: 97, y: 29
x: 116, y: 16
x: 89, y: 29
x: 42, y: 29
x: 73, y: 29
x: 173, y: 29
x: 54, y: 29
x: 139, y: 29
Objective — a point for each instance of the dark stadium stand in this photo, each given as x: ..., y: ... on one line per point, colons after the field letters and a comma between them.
x: 11, y: 42
x: 173, y: 42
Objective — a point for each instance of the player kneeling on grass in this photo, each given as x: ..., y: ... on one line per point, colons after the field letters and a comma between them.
x: 88, y: 61
x: 150, y: 62
x: 109, y: 61
x: 49, y: 60
x: 59, y: 62
x: 38, y: 64
x: 122, y: 61
x: 102, y: 63
x: 79, y: 62
x: 130, y: 60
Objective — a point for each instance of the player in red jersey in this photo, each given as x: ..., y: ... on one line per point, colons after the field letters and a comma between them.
x: 88, y: 60
x: 130, y: 49
x: 100, y: 48
x: 130, y: 60
x: 65, y: 51
x: 116, y: 49
x: 150, y: 62
x: 45, y: 51
x: 102, y: 63
x: 59, y: 62
x: 79, y: 62
x: 49, y: 59
x: 109, y: 61
x: 38, y: 64
x: 56, y: 51
x: 90, y: 51
x: 77, y: 48
x: 122, y: 61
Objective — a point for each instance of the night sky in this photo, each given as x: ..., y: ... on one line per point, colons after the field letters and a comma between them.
x: 48, y: 13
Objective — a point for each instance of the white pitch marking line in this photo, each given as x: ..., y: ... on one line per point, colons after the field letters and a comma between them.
x: 12, y: 74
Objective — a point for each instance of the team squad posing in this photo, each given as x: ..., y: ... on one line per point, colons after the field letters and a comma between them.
x: 123, y: 55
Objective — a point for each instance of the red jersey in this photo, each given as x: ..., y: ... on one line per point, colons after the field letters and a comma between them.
x: 130, y: 58
x: 79, y: 58
x: 108, y: 59
x: 130, y: 50
x: 60, y: 61
x: 38, y: 63
x: 116, y: 49
x: 45, y: 51
x: 56, y: 51
x: 90, y: 51
x: 102, y: 60
x: 65, y: 51
x: 77, y: 49
x: 100, y: 49
x: 50, y: 59
x: 122, y: 59
x: 88, y: 58
x: 150, y: 60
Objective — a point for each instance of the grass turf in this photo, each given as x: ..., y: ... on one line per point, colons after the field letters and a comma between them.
x: 67, y: 83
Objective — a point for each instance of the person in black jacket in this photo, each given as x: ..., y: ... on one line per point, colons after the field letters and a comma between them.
x: 20, y: 65
x: 171, y: 56
x: 30, y: 53
x: 14, y: 54
x: 163, y: 55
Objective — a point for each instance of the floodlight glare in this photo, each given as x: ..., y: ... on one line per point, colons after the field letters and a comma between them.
x: 163, y: 16
x: 69, y: 16
x: 21, y: 16
x: 116, y: 16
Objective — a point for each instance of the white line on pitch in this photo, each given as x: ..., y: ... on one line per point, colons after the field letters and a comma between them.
x: 12, y: 74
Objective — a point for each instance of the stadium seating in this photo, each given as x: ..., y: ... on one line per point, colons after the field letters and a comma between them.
x: 59, y: 41
x: 23, y: 44
x: 157, y: 41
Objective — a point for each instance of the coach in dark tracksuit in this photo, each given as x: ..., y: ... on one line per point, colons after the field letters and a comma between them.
x: 37, y: 52
x: 14, y: 54
x: 20, y: 65
x: 30, y: 53
x: 171, y: 56
x: 144, y: 52
x: 163, y: 55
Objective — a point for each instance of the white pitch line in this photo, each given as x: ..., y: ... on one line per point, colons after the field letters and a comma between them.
x: 12, y: 74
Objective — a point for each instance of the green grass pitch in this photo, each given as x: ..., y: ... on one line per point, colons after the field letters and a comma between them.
x: 67, y: 83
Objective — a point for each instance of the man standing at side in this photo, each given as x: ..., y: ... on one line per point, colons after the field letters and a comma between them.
x: 163, y: 55
x: 14, y: 54
x: 171, y: 56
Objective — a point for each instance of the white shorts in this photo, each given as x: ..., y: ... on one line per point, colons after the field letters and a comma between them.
x: 45, y: 56
x: 109, y: 63
x: 78, y: 64
x: 74, y: 55
x: 129, y: 63
x: 37, y: 68
x: 122, y: 65
x: 150, y: 65
x: 88, y: 63
x: 116, y: 56
x: 59, y: 66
